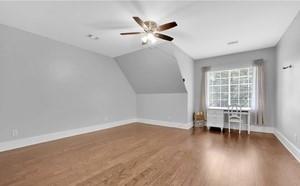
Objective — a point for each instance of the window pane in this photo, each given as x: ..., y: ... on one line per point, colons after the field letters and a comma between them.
x: 244, y: 103
x: 217, y: 82
x: 250, y: 95
x: 234, y: 102
x: 243, y: 88
x: 224, y: 95
x: 234, y: 80
x: 224, y: 103
x: 250, y: 79
x: 224, y: 74
x: 216, y: 96
x: 218, y: 75
x: 244, y: 72
x: 234, y: 96
x: 224, y: 81
x: 250, y: 72
x: 244, y: 96
x: 244, y: 80
x: 210, y: 101
x: 210, y: 89
x: 234, y: 88
x: 234, y: 73
x: 211, y: 97
x: 216, y: 89
x: 216, y: 103
x: 250, y: 88
x: 224, y: 88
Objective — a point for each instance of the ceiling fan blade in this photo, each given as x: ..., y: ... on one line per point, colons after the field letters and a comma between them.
x: 166, y: 26
x: 131, y: 33
x: 140, y: 22
x: 163, y: 36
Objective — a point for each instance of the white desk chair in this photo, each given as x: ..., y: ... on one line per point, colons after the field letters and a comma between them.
x: 235, y: 116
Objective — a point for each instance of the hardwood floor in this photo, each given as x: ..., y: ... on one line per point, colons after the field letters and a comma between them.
x: 138, y: 154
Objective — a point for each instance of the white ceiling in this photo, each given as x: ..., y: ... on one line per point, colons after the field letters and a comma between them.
x: 204, y: 28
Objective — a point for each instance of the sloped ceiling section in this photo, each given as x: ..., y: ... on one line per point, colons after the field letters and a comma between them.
x: 184, y: 62
x: 186, y: 66
x: 152, y: 70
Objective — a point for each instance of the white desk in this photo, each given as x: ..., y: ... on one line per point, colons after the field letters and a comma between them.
x: 216, y: 118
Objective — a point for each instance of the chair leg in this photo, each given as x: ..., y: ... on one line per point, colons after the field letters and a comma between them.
x: 229, y: 127
x: 240, y: 127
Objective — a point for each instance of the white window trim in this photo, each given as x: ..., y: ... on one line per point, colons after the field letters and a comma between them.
x: 229, y: 90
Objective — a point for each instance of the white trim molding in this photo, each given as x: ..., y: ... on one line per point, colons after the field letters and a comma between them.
x: 253, y: 128
x: 166, y: 123
x: 9, y: 145
x: 293, y: 149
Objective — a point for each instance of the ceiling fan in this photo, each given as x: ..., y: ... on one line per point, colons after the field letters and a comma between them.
x: 151, y: 30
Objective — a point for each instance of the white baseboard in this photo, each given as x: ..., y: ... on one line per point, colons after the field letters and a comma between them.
x: 253, y: 128
x: 166, y: 123
x: 263, y: 129
x: 9, y: 145
x: 293, y: 149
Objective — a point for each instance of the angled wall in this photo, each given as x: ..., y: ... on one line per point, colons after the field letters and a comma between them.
x: 151, y: 71
x: 156, y: 74
x: 186, y: 67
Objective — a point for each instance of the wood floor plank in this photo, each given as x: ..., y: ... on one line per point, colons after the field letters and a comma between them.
x: 139, y: 154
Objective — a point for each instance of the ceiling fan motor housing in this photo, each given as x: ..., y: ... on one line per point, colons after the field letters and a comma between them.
x: 151, y: 26
x: 153, y: 29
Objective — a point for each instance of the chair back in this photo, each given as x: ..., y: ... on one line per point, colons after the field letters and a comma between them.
x: 234, y: 111
x: 199, y: 116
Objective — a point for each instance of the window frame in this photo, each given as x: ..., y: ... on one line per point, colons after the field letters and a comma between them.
x: 250, y: 98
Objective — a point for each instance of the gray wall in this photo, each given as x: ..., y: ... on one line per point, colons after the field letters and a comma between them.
x: 243, y: 60
x: 163, y: 107
x: 288, y: 85
x: 47, y: 86
x: 186, y: 66
x: 151, y: 70
x: 156, y: 75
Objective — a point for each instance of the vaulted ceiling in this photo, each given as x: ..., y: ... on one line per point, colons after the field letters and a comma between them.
x: 204, y: 28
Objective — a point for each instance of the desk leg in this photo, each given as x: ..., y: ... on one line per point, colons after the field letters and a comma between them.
x: 248, y: 122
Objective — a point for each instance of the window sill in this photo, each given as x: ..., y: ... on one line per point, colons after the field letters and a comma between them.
x: 226, y: 108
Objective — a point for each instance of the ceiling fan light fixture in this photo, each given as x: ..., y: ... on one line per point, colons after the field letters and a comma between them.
x: 151, y: 38
x: 144, y: 39
x: 152, y: 29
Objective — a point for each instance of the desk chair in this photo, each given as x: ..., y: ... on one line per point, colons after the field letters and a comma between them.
x: 235, y: 116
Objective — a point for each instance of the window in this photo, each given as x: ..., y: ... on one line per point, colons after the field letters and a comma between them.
x: 230, y: 87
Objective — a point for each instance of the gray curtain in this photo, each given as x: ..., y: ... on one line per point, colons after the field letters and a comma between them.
x: 203, y: 96
x: 258, y: 101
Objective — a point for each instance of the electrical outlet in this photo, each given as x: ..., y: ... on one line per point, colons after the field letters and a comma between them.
x: 15, y: 132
